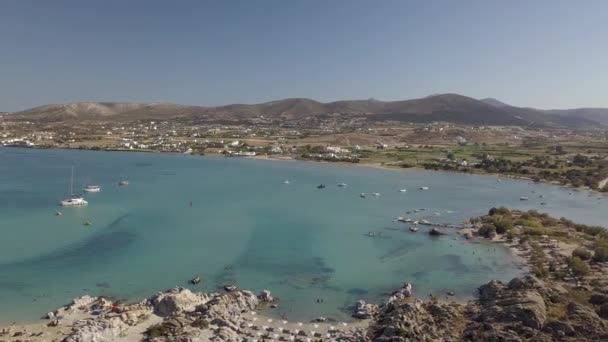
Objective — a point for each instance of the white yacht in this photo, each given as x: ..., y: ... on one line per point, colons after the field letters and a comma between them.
x: 403, y: 190
x: 286, y: 182
x: 73, y: 200
x: 523, y: 198
x: 341, y: 185
x: 92, y: 188
x: 424, y: 188
x: 123, y: 182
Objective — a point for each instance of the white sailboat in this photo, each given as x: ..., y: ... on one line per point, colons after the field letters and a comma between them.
x: 73, y: 200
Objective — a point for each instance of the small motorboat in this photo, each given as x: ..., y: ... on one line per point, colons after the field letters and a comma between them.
x: 424, y: 188
x: 286, y: 182
x: 376, y: 194
x: 543, y: 203
x: 523, y: 198
x: 58, y: 213
x: 230, y: 288
x: 195, y: 280
x: 362, y: 195
x: 123, y: 182
x: 341, y: 185
x: 321, y: 186
x: 92, y: 188
x: 425, y: 222
x: 404, y: 219
x: 87, y: 223
x: 403, y: 190
x: 413, y: 229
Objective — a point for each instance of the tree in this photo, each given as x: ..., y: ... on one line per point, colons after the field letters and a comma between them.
x: 451, y: 156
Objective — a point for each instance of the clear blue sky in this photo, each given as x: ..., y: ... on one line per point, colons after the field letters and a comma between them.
x: 547, y: 54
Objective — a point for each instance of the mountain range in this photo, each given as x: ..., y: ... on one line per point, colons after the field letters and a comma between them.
x: 443, y: 107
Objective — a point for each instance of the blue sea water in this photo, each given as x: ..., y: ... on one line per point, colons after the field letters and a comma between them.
x: 234, y: 221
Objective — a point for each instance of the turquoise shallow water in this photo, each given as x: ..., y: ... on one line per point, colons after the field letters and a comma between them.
x: 244, y: 227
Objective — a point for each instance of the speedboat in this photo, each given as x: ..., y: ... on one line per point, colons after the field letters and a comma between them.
x: 523, y: 198
x: 414, y: 229
x: 376, y: 194
x: 286, y: 182
x: 424, y: 188
x: 403, y: 190
x: 123, y: 182
x: 341, y: 185
x: 404, y: 219
x: 321, y: 186
x: 92, y: 188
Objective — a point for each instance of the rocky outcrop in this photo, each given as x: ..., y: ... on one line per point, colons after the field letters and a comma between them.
x: 176, y: 300
x: 266, y: 296
x: 405, y: 320
x: 517, y: 302
x: 364, y: 310
x: 404, y: 292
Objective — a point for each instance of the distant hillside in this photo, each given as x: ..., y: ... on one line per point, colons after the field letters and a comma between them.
x: 594, y: 114
x: 494, y: 102
x: 444, y: 107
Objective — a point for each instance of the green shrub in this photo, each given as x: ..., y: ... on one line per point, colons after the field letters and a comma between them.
x: 487, y: 230
x: 578, y: 266
x: 200, y: 323
x: 539, y: 270
x: 600, y: 253
x: 157, y: 330
x: 499, y: 211
x: 534, y: 231
x: 582, y: 253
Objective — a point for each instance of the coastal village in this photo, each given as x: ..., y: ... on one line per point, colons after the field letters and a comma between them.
x: 577, y: 158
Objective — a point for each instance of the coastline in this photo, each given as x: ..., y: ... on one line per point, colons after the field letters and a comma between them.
x: 379, y: 166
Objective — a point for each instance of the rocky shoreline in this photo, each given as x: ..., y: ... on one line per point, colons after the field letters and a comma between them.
x: 521, y: 310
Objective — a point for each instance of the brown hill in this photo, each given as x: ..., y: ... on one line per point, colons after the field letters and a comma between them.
x: 444, y: 107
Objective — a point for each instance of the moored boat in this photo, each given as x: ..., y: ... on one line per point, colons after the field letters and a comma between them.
x: 92, y: 188
x: 73, y: 200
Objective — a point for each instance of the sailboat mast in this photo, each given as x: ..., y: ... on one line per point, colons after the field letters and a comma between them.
x: 72, y: 181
